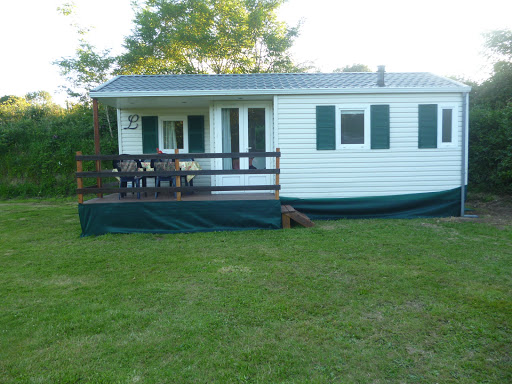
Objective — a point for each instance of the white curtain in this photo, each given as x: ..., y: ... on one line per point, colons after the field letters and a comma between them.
x: 170, y: 135
x: 226, y: 137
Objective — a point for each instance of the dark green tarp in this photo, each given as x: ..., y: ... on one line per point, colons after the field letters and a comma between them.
x: 175, y: 217
x: 433, y: 204
x: 204, y: 216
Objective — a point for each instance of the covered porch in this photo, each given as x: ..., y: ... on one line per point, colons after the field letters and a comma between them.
x: 236, y: 181
x: 199, y: 124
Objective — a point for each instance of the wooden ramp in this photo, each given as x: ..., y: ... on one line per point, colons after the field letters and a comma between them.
x: 288, y: 212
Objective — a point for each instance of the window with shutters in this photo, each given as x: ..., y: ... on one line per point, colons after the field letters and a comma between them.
x: 353, y: 127
x: 173, y: 134
x: 447, y: 126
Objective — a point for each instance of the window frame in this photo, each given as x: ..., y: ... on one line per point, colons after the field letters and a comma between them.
x: 161, y: 120
x: 365, y: 108
x: 455, y: 130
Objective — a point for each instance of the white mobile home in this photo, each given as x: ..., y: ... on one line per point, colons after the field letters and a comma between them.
x: 352, y: 144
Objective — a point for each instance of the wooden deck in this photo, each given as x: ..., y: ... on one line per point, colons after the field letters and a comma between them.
x: 239, y: 207
x: 197, y: 196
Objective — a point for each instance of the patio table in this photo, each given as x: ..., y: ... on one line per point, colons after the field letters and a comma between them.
x: 190, y: 166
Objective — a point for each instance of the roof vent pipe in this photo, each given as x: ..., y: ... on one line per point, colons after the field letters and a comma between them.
x: 380, y: 75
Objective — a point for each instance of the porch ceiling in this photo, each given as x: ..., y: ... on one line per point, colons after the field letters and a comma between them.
x: 174, y: 101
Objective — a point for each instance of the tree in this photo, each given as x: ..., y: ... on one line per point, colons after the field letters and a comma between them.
x: 353, y: 68
x: 490, y: 161
x: 12, y: 107
x: 187, y: 36
x: 499, y: 44
x: 34, y: 106
x: 490, y: 155
x: 88, y: 68
x: 208, y: 36
x: 497, y: 90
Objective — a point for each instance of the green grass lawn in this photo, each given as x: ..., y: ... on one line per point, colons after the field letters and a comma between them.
x: 360, y: 301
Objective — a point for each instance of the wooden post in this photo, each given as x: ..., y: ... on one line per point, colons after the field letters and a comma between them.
x: 286, y: 221
x: 97, y: 141
x: 178, y: 178
x: 79, y: 181
x: 278, y: 165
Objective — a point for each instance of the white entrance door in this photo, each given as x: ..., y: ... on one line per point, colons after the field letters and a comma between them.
x: 243, y: 128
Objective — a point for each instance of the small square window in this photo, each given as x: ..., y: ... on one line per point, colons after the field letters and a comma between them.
x: 447, y: 129
x: 352, y: 127
x: 447, y: 126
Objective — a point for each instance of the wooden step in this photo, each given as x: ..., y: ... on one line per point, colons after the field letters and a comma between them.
x: 288, y: 212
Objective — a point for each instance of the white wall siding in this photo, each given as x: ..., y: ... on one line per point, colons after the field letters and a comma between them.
x: 130, y: 140
x: 310, y: 173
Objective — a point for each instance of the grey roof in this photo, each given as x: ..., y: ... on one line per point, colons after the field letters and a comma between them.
x: 269, y: 82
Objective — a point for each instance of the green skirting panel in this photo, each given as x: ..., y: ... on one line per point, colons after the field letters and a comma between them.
x: 433, y: 204
x: 176, y: 217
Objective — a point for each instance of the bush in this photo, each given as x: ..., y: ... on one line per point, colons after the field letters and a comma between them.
x: 490, y: 152
x: 38, y: 146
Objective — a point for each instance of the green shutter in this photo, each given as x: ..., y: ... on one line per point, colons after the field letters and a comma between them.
x: 325, y: 127
x: 427, y: 126
x: 196, y: 134
x: 149, y: 134
x: 379, y: 116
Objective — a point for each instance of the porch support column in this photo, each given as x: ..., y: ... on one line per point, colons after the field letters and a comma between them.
x: 97, y: 141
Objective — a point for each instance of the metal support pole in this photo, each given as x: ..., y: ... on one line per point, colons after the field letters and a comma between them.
x: 463, y: 154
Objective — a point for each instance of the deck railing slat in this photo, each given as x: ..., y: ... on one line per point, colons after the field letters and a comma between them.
x: 270, y: 187
x: 179, y: 173
x: 163, y: 156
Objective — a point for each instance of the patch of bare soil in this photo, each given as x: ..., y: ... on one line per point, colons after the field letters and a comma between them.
x: 490, y: 209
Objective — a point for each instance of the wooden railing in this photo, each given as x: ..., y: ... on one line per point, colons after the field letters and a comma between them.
x: 99, y: 174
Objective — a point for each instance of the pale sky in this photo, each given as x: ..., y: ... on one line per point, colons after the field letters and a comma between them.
x: 439, y: 36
